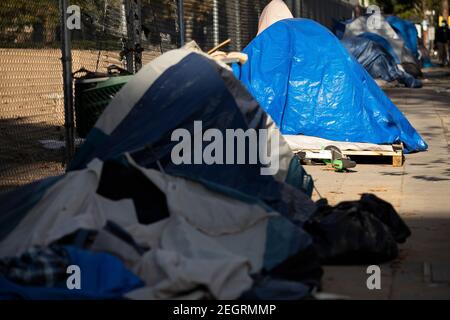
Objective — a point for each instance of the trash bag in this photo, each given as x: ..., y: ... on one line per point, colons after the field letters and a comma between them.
x: 357, y: 232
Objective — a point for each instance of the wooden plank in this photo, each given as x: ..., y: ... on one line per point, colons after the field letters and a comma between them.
x: 396, y: 154
x: 370, y: 153
x: 397, y: 161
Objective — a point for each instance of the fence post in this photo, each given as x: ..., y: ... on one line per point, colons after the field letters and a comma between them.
x: 298, y: 8
x: 237, y: 17
x: 216, y: 22
x: 134, y: 31
x: 180, y: 5
x: 66, y: 59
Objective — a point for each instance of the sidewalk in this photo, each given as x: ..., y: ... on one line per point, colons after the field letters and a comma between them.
x: 420, y: 191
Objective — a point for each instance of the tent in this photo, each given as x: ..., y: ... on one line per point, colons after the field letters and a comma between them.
x: 320, y: 90
x: 219, y: 231
x: 360, y: 25
x: 381, y: 41
x: 174, y: 237
x: 377, y: 61
x: 339, y: 30
x: 140, y: 120
x: 407, y: 31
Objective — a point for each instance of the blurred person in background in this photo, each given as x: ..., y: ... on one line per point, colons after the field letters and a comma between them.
x: 442, y: 41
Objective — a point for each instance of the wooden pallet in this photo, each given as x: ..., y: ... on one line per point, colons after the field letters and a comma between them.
x: 396, y: 154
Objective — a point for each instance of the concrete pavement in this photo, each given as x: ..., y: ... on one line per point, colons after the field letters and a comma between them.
x: 420, y: 191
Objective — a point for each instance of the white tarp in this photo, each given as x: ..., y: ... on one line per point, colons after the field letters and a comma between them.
x: 301, y: 142
x: 275, y: 11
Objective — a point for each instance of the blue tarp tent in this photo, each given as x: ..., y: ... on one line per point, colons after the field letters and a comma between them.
x: 407, y: 30
x: 383, y: 43
x: 339, y: 31
x: 306, y: 80
x: 377, y: 61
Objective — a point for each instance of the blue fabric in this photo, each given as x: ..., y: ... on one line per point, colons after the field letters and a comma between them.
x: 103, y: 276
x: 283, y: 240
x: 15, y: 204
x: 339, y: 28
x: 298, y: 178
x: 382, y: 42
x: 306, y: 80
x: 407, y: 31
x: 426, y: 63
x: 372, y: 56
x: 270, y: 288
x: 377, y: 61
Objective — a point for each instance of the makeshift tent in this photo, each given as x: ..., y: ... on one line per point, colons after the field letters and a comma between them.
x: 407, y: 31
x: 275, y: 11
x: 306, y: 80
x: 143, y: 234
x: 381, y: 41
x: 184, y: 235
x: 361, y: 25
x: 195, y: 241
x: 194, y: 217
x: 141, y: 119
x: 377, y: 61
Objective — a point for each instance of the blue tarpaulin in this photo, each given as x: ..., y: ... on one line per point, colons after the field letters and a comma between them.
x: 407, y: 30
x: 383, y: 43
x: 377, y: 61
x: 307, y: 81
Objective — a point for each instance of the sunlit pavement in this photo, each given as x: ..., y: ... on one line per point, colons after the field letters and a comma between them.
x: 420, y: 191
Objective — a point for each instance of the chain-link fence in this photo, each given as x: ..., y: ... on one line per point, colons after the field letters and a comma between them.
x: 323, y: 11
x: 113, y: 32
x: 210, y: 22
x: 31, y: 104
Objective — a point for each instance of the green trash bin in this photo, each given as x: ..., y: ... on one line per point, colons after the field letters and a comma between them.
x: 92, y: 96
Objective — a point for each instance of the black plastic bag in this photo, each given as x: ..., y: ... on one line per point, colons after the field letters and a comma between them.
x: 357, y: 232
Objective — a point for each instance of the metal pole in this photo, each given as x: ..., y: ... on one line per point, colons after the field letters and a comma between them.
x: 138, y: 35
x: 237, y: 12
x: 298, y: 8
x: 66, y: 59
x: 134, y: 48
x: 216, y: 22
x: 181, y: 22
x: 129, y: 46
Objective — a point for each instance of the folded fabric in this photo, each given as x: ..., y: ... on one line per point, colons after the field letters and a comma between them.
x: 102, y: 276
